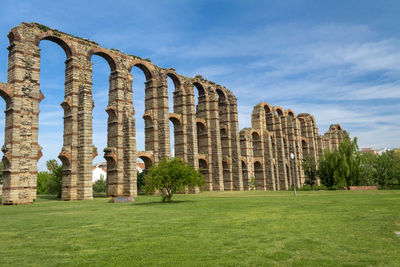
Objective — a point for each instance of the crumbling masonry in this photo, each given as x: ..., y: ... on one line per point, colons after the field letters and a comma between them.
x: 207, y: 135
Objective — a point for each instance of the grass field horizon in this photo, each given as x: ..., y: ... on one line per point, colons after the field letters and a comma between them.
x: 207, y: 229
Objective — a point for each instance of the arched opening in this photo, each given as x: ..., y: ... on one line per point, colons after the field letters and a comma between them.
x: 173, y: 84
x: 291, y: 114
x: 202, y: 138
x: 52, y: 77
x: 258, y: 175
x: 245, y: 176
x: 257, y: 146
x: 199, y: 100
x: 278, y: 112
x: 103, y: 118
x: 177, y: 136
x: 269, y: 118
x: 304, y: 147
x: 143, y: 122
x: 147, y: 161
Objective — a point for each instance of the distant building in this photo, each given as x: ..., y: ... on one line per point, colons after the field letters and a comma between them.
x: 100, y: 170
x: 368, y: 150
x: 371, y: 150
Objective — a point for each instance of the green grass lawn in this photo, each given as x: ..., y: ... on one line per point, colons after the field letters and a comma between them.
x: 207, y: 229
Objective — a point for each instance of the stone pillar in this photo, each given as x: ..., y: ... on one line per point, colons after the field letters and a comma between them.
x: 21, y: 149
x: 150, y: 120
x: 235, y: 146
x: 181, y: 133
x: 214, y: 129
x: 121, y: 140
x: 69, y: 152
x: 225, y: 129
x: 190, y: 139
x: 85, y: 143
x: 162, y: 115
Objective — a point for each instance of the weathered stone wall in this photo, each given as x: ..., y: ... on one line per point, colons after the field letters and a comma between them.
x: 207, y: 135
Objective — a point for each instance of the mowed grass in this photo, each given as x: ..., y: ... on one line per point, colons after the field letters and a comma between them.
x: 208, y: 229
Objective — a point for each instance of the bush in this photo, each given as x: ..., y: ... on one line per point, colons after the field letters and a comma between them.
x: 43, y: 178
x: 54, y: 184
x: 140, y: 181
x: 171, y: 176
x: 100, y: 185
x: 310, y: 170
x: 341, y: 168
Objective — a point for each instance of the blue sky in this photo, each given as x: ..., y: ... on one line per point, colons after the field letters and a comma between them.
x: 338, y: 60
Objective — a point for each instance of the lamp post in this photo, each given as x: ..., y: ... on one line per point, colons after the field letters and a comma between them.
x: 294, y: 180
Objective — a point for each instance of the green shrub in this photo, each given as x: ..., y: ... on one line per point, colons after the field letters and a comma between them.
x: 140, y: 181
x: 54, y: 184
x: 171, y: 176
x: 100, y: 185
x: 43, y: 178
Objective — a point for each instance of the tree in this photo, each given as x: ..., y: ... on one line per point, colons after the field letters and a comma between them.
x: 341, y: 167
x: 43, y: 178
x: 171, y: 176
x: 100, y: 185
x: 310, y: 170
x: 140, y: 181
x: 368, y: 171
x: 386, y: 169
x: 54, y: 184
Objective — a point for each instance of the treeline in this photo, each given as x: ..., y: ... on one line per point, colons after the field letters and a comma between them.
x: 50, y: 182
x: 346, y: 166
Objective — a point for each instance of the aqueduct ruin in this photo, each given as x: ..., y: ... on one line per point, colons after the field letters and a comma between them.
x: 207, y: 135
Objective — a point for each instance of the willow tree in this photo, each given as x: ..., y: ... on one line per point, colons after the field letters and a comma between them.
x: 341, y: 167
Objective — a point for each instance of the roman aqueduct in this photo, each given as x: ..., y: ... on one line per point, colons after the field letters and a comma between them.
x: 207, y: 135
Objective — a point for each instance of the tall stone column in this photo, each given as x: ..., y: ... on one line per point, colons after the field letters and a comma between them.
x: 162, y: 115
x: 235, y: 147
x: 218, y: 182
x: 69, y: 152
x: 85, y: 141
x: 121, y: 141
x: 150, y: 119
x: 189, y: 114
x: 21, y: 149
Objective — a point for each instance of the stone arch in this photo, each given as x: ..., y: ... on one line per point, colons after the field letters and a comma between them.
x: 178, y: 145
x: 257, y: 144
x: 144, y: 68
x: 104, y: 54
x: 222, y: 97
x: 202, y: 136
x: 58, y: 40
x: 175, y: 119
x: 175, y: 78
x: 6, y: 93
x: 279, y: 111
x: 290, y: 113
x: 200, y: 88
x: 147, y: 158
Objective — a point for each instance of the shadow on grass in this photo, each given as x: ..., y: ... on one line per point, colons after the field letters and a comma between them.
x: 161, y: 203
x: 100, y: 195
x: 49, y: 197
